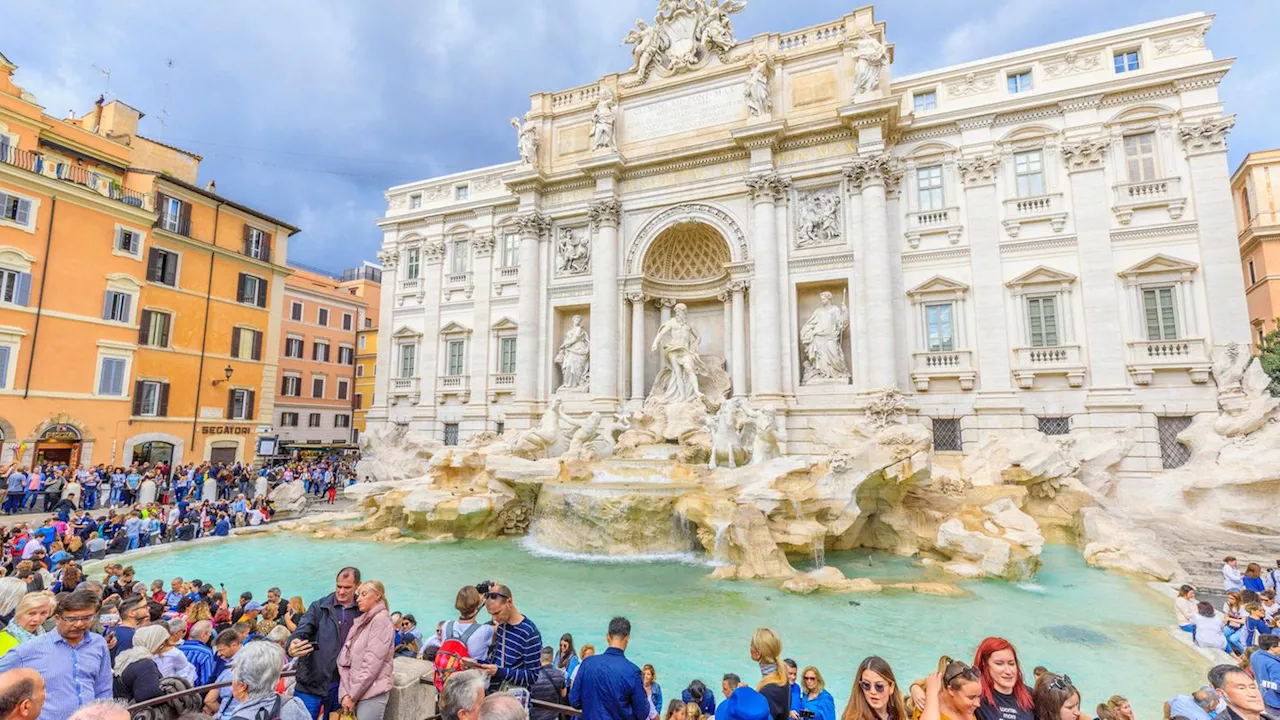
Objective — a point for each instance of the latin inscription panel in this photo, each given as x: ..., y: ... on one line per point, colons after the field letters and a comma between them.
x: 682, y: 114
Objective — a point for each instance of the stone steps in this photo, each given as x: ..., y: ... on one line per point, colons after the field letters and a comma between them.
x: 1200, y: 549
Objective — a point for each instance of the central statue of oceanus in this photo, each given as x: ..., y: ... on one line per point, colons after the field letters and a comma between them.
x: 677, y: 344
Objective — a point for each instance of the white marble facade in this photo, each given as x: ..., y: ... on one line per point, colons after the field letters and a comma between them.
x: 1045, y: 234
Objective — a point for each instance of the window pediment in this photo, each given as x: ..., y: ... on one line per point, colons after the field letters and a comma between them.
x: 123, y: 282
x: 454, y: 328
x: 16, y: 259
x: 506, y: 324
x: 938, y: 288
x: 1041, y: 278
x: 406, y: 333
x: 1159, y: 268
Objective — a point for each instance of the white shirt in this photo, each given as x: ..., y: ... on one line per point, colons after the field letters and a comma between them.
x: 1209, y: 631
x: 1232, y: 579
x: 1185, y: 610
x: 31, y: 547
x: 255, y: 517
x: 174, y: 664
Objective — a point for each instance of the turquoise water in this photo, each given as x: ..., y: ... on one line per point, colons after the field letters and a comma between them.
x: 1104, y: 630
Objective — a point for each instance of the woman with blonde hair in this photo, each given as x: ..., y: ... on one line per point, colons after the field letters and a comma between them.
x: 1116, y: 708
x: 814, y: 696
x: 296, y: 610
x: 33, y: 609
x: 953, y: 692
x: 365, y: 660
x: 1056, y: 698
x: 775, y: 686
x: 875, y: 694
x: 675, y: 710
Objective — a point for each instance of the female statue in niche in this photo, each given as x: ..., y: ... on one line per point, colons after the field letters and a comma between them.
x: 572, y: 357
x: 821, y: 337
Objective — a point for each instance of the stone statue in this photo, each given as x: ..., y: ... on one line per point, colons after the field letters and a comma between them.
x: 1229, y: 365
x: 821, y: 337
x: 537, y: 441
x: 677, y: 343
x: 573, y: 252
x: 818, y: 219
x: 725, y: 429
x: 260, y: 487
x: 147, y: 492
x: 584, y: 437
x: 603, y: 121
x: 647, y: 42
x: 526, y: 139
x: 716, y: 33
x: 756, y: 91
x: 573, y: 355
x: 768, y: 435
x: 871, y: 55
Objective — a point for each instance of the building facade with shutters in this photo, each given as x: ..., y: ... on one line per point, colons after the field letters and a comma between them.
x: 314, y: 409
x: 1038, y: 241
x: 1255, y: 187
x: 135, y: 313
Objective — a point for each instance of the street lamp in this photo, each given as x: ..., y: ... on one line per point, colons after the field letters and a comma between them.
x: 228, y: 371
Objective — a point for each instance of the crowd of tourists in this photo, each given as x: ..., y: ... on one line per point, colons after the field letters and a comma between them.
x: 1248, y: 618
x: 93, y: 648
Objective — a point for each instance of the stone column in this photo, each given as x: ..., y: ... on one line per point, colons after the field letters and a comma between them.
x: 638, y: 345
x: 869, y: 172
x: 738, y: 371
x: 532, y: 228
x: 385, y: 364
x: 1205, y: 143
x: 766, y: 190
x: 1091, y: 198
x: 606, y: 321
x: 481, y: 337
x: 991, y: 339
x: 433, y: 253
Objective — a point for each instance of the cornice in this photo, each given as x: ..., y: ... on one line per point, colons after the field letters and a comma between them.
x: 925, y: 257
x: 1183, y: 229
x: 686, y: 164
x: 825, y: 261
x: 821, y: 138
x: 1038, y: 245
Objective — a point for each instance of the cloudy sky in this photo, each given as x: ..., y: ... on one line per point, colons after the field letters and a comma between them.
x: 310, y: 109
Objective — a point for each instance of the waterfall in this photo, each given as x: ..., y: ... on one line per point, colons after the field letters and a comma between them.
x: 722, y: 537
x: 819, y: 553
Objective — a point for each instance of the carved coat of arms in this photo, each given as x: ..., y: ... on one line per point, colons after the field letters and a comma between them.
x: 683, y: 35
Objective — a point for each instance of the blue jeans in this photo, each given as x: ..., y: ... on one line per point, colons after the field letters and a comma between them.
x: 1235, y: 641
x: 90, y: 499
x: 12, y: 503
x: 314, y: 703
x: 1189, y: 628
x: 133, y: 542
x: 29, y: 499
x: 179, y: 493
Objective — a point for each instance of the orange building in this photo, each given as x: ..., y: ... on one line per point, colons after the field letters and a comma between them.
x: 1255, y: 186
x: 136, y: 309
x: 366, y: 282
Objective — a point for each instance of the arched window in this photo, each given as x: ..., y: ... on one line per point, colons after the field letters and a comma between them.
x: 155, y: 451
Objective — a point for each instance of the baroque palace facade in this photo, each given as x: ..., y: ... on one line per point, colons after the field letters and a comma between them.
x: 1043, y: 240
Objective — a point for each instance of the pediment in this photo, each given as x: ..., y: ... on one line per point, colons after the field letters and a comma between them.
x: 1042, y: 275
x: 122, y: 280
x: 505, y: 323
x: 406, y: 332
x: 453, y: 328
x: 1160, y: 263
x: 937, y: 285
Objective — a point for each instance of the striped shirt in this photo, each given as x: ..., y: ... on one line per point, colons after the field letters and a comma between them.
x: 517, y: 651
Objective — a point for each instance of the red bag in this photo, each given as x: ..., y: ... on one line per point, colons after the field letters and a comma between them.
x: 450, y: 656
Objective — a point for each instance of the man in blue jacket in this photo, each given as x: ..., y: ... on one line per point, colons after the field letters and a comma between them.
x: 608, y: 685
x: 1265, y: 664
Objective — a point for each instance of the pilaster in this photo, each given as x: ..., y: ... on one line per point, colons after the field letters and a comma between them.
x: 869, y: 174
x: 533, y: 228
x: 766, y: 190
x: 606, y: 320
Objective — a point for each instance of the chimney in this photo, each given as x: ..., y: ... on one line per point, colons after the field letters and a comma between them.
x: 211, y: 186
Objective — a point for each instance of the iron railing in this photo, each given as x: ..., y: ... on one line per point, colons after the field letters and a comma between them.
x: 104, y: 185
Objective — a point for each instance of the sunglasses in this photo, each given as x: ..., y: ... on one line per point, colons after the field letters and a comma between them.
x: 964, y: 671
x: 868, y: 686
x: 1062, y: 682
x: 497, y: 596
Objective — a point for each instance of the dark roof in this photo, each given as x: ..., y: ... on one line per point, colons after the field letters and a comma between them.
x: 218, y: 198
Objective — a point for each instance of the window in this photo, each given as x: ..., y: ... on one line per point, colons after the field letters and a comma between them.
x: 1028, y: 168
x: 1019, y: 82
x: 257, y: 244
x: 1172, y: 453
x: 246, y: 344
x: 368, y: 323
x: 111, y: 376
x: 15, y: 287
x: 293, y: 347
x: 507, y: 355
x: 1126, y: 61
x: 359, y: 371
x: 411, y: 264
x: 451, y: 433
x: 362, y: 342
x: 1253, y: 274
x: 1042, y: 320
x: 171, y: 215
x: 460, y: 252
x: 461, y: 192
x: 341, y: 420
x: 1054, y: 425
x: 252, y: 290
x: 317, y: 387
x: 1159, y: 312
x: 359, y: 401
x: 128, y: 241
x: 289, y: 419
x: 15, y: 209
x: 295, y: 312
x: 406, y: 360
x: 291, y: 386
x: 162, y: 267
x: 115, y: 306
x: 322, y: 317
x: 415, y: 201
x: 347, y: 321
x: 343, y: 389
x: 927, y: 100
x: 320, y: 351
x: 1140, y: 157
x: 150, y: 398
x: 6, y: 355
x: 499, y: 427
x: 940, y: 327
x: 929, y: 187
x: 346, y: 356
x: 153, y: 331
x: 510, y: 250
x: 946, y: 435
x: 313, y: 420
x: 1248, y: 211
x: 456, y: 366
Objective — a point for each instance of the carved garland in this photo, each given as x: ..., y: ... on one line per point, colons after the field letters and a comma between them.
x: 721, y: 220
x: 483, y: 245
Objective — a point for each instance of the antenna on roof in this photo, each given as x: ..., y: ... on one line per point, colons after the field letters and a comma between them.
x: 164, y: 105
x: 106, y: 72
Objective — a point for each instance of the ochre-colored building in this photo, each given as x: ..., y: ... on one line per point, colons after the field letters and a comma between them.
x: 366, y: 282
x: 1255, y: 186
x: 139, y: 313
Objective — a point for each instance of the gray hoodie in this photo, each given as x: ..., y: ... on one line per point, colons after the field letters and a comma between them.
x: 290, y: 709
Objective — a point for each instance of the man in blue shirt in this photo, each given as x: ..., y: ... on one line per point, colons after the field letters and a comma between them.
x: 609, y: 686
x: 197, y: 651
x: 16, y: 485
x: 1265, y: 664
x: 75, y: 663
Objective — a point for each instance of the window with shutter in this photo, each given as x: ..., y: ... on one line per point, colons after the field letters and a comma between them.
x: 406, y: 360
x: 1140, y: 157
x: 1042, y: 321
x: 111, y: 377
x: 257, y: 344
x: 15, y: 287
x: 346, y: 321
x: 148, y: 401
x: 6, y: 353
x: 295, y: 312
x: 115, y: 306
x: 342, y: 389
x: 322, y: 317
x: 455, y: 357
x: 1160, y: 313
x: 507, y: 355
x: 317, y: 387
x: 262, y: 292
x: 1029, y: 170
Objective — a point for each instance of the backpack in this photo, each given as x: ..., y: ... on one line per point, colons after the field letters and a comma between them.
x: 452, y: 652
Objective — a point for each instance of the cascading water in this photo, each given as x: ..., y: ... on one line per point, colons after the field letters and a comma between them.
x: 819, y: 553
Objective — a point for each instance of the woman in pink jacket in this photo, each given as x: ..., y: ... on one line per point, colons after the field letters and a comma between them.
x: 364, y: 663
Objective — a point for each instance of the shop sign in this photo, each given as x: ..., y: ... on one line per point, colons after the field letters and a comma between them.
x: 226, y: 430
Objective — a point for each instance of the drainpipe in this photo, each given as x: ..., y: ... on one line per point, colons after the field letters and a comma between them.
x: 44, y: 273
x: 204, y: 333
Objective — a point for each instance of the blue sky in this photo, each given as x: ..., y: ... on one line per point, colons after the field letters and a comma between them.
x: 310, y: 109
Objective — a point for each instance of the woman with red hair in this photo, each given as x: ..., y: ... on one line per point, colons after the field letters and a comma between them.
x: 1004, y: 692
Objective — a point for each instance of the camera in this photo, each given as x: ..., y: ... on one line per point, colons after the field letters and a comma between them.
x: 483, y: 587
x: 805, y: 714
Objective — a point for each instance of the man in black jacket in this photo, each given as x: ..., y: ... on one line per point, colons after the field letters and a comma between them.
x: 320, y: 635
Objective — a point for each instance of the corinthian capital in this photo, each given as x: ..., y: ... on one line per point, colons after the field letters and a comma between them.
x: 868, y: 170
x: 388, y: 259
x: 483, y: 245
x: 978, y: 170
x: 1206, y: 136
x: 533, y: 224
x: 636, y: 297
x: 1087, y: 154
x: 433, y: 252
x: 770, y: 186
x: 604, y: 213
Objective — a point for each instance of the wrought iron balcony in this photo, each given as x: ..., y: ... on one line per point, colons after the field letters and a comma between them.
x: 104, y: 185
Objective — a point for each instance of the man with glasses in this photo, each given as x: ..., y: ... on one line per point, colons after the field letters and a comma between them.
x: 75, y: 663
x: 515, y: 656
x: 320, y: 635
